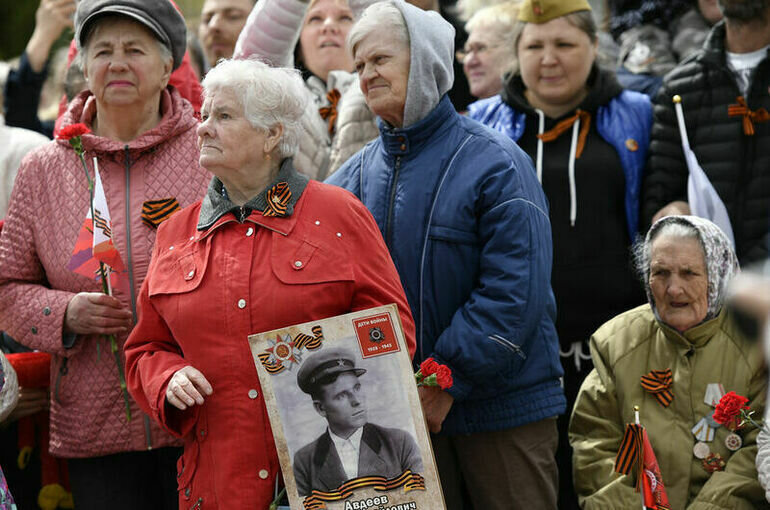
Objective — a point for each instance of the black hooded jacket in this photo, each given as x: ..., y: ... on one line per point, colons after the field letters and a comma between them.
x: 592, y: 278
x: 737, y: 164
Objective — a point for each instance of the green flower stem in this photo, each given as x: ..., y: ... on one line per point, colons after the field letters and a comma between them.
x: 78, y: 146
x: 274, y: 504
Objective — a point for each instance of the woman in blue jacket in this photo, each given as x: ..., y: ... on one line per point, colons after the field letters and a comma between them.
x: 589, y: 140
x: 466, y: 223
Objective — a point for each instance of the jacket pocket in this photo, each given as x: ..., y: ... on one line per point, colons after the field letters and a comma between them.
x: 179, y: 269
x: 452, y: 235
x: 299, y: 262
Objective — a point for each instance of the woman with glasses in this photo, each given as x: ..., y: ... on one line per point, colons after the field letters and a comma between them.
x: 489, y: 50
x: 589, y: 139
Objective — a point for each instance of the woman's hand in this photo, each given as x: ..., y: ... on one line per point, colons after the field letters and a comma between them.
x: 51, y: 18
x: 94, y: 313
x: 31, y: 401
x: 187, y: 387
x: 436, y: 404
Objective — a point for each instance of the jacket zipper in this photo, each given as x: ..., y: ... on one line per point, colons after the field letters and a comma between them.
x: 389, y: 223
x: 62, y: 372
x: 147, y: 430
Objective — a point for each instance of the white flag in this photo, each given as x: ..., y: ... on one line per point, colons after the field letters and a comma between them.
x: 703, y: 198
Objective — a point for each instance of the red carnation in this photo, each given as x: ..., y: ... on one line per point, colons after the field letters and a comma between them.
x: 444, y: 377
x: 71, y: 131
x: 428, y: 367
x: 729, y: 408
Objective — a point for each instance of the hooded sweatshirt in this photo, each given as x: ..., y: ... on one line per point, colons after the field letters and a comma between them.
x: 592, y: 276
x: 431, y: 45
x: 466, y: 224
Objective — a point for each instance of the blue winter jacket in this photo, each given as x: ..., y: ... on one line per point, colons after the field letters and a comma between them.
x: 467, y: 226
x: 625, y: 123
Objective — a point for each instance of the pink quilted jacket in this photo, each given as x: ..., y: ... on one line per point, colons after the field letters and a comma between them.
x: 48, y: 205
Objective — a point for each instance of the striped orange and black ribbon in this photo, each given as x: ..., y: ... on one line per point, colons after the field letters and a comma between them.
x: 101, y: 223
x: 630, y: 452
x: 270, y: 366
x: 311, y: 343
x: 277, y: 200
x: 749, y: 117
x: 408, y: 480
x: 155, y: 212
x: 329, y: 113
x: 658, y: 383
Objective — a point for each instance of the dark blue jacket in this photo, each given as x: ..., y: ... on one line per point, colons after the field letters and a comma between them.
x: 467, y: 226
x: 626, y: 119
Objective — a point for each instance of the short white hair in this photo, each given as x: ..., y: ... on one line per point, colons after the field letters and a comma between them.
x: 381, y: 15
x: 269, y: 96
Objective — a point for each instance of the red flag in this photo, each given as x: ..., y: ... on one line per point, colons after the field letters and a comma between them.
x: 652, y: 483
x: 636, y: 451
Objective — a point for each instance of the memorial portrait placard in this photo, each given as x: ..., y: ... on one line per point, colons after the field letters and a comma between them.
x: 346, y: 415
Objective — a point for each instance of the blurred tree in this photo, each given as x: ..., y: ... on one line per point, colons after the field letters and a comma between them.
x: 17, y: 20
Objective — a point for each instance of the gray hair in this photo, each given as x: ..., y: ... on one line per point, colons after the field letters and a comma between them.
x: 381, y: 15
x: 583, y: 20
x: 80, y: 58
x: 719, y: 257
x: 502, y: 19
x: 269, y: 96
x: 642, y: 249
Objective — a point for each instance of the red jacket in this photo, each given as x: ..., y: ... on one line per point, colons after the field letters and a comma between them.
x: 48, y: 205
x: 206, y: 291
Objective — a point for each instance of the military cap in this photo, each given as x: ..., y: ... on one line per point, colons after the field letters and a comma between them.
x: 160, y: 16
x: 543, y: 11
x: 319, y: 366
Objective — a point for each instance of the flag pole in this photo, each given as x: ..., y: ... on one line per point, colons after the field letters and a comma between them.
x: 677, y: 100
x: 641, y: 470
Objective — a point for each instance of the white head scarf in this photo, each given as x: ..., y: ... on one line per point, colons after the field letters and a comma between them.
x: 721, y: 261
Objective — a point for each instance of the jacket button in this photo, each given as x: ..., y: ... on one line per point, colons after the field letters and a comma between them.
x: 187, y: 492
x: 34, y: 330
x: 46, y: 311
x: 263, y: 474
x: 253, y: 394
x: 191, y: 274
x: 241, y: 303
x: 298, y: 263
x: 403, y: 147
x: 170, y: 247
x: 249, y: 232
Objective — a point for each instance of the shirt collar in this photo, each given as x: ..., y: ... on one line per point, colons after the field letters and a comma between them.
x: 217, y: 204
x: 354, y: 439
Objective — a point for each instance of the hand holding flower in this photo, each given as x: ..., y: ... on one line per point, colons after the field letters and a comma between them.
x: 432, y: 373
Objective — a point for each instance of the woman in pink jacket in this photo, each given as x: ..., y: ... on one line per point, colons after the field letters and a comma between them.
x: 265, y: 248
x: 143, y: 137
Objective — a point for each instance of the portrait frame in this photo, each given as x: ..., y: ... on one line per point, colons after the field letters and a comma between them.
x: 396, y: 466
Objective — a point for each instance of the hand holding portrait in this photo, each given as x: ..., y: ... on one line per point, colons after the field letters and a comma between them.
x: 187, y: 387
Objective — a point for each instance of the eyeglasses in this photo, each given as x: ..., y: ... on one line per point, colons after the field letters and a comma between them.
x: 478, y: 49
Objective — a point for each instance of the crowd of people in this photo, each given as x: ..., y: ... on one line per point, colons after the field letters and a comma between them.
x: 536, y: 187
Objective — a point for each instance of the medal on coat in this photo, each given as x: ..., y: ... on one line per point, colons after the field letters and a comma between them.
x: 703, y: 431
x: 714, y: 393
x: 713, y: 462
x: 701, y: 450
x: 733, y: 442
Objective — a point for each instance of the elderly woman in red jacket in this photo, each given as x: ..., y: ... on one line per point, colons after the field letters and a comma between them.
x: 264, y: 249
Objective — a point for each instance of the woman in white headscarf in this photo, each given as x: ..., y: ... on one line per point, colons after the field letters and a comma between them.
x: 673, y: 357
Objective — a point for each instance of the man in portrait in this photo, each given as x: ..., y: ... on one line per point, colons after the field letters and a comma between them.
x: 351, y: 447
